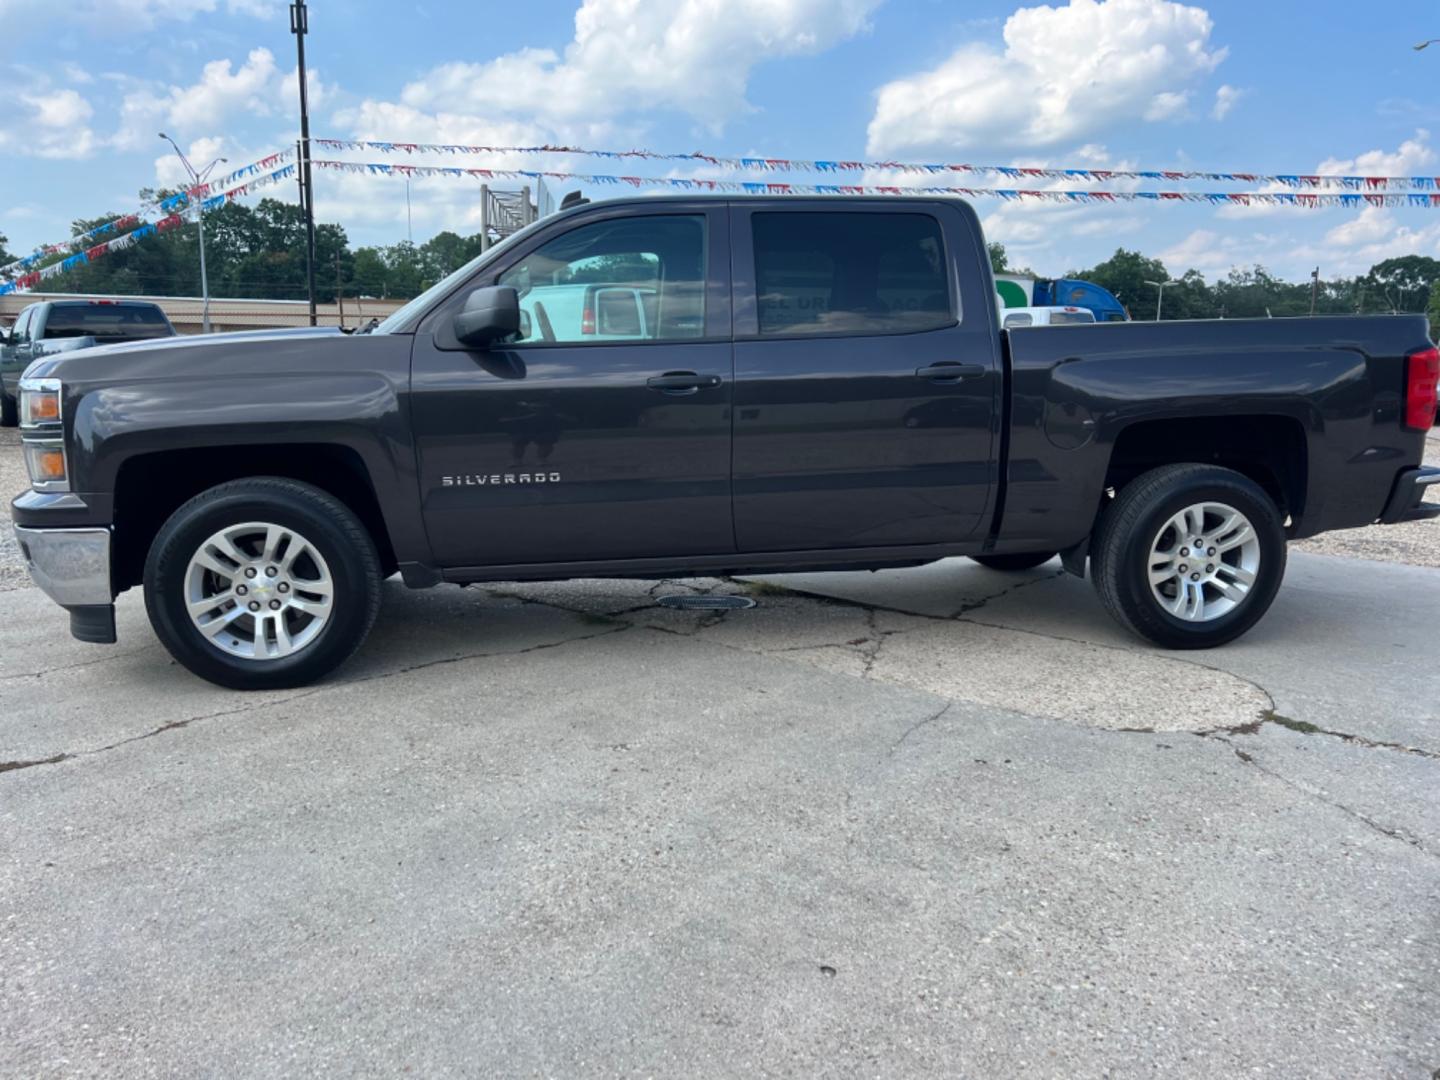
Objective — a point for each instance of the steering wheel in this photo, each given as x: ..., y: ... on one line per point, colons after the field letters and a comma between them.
x: 547, y: 332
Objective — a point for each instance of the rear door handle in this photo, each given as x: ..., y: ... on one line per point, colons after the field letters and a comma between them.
x: 950, y: 371
x: 682, y: 382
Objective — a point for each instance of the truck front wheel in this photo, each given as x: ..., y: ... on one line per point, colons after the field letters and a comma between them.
x: 9, y: 410
x: 1189, y: 556
x: 262, y: 584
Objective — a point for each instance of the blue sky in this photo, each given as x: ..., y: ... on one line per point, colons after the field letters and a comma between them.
x: 1265, y: 85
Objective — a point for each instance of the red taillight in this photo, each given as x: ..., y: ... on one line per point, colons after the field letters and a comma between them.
x: 587, y: 320
x: 1422, y: 372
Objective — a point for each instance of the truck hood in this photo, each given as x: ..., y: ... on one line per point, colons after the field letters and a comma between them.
x: 197, y: 343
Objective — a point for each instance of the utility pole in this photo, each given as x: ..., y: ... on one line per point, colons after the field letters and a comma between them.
x: 409, y: 222
x: 1314, y: 288
x: 300, y: 26
x: 339, y: 290
x: 196, y: 179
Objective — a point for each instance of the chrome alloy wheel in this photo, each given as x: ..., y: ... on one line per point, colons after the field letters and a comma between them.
x: 1203, y: 561
x: 259, y: 591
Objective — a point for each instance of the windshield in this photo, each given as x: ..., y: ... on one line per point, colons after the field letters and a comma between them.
x: 399, y: 318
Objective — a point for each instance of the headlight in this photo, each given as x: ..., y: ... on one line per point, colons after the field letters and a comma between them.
x: 40, y: 421
x: 45, y: 461
x: 39, y: 403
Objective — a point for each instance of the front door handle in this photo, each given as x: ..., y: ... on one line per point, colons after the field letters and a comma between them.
x: 682, y: 382
x: 950, y: 371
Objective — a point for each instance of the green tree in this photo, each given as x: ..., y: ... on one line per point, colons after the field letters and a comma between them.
x: 1124, y: 274
x: 1433, y: 310
x: 999, y: 261
x: 5, y: 257
x: 1402, y: 284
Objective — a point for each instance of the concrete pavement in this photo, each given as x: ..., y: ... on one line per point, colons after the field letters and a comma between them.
x: 935, y: 821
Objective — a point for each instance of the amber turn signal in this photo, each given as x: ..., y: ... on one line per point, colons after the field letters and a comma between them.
x: 45, y: 463
x: 45, y: 407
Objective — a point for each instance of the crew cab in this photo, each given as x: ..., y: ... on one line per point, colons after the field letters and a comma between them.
x: 53, y: 326
x: 820, y: 383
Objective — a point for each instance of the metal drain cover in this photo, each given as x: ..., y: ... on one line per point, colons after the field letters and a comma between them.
x: 690, y: 602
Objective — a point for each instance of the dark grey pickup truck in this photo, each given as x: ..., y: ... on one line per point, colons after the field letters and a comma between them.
x: 660, y: 387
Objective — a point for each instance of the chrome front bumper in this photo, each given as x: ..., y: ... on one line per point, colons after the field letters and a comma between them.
x: 72, y: 566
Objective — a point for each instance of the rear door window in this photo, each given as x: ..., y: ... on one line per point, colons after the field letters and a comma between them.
x: 850, y: 273
x: 1059, y: 317
x: 1021, y: 319
x: 123, y: 321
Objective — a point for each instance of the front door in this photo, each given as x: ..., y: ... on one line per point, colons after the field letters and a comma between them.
x: 867, y: 378
x: 603, y: 432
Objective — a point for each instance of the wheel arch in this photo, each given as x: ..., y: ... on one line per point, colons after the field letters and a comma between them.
x: 149, y: 487
x: 1269, y: 448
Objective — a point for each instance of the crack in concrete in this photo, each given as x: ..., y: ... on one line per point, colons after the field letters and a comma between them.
x: 913, y: 728
x: 108, y: 658
x: 1304, y: 727
x: 1384, y: 830
x: 175, y: 725
x: 976, y: 605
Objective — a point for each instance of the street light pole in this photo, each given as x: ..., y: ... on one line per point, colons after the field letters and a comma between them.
x: 300, y: 26
x: 1160, y: 295
x: 196, y: 179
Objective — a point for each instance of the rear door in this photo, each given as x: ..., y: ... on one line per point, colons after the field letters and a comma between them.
x: 867, y: 375
x: 597, y: 435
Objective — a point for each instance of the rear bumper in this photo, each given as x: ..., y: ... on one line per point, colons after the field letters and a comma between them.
x: 72, y: 567
x: 1406, y: 501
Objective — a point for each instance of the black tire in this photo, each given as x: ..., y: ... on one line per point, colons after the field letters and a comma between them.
x: 1016, y: 561
x: 9, y: 410
x: 1120, y: 554
x: 324, y: 521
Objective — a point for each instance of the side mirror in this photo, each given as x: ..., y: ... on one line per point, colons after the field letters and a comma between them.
x: 489, y: 314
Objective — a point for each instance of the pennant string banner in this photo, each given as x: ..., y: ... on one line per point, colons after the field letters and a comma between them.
x: 1296, y: 181
x: 168, y: 205
x: 1309, y: 200
x: 176, y: 213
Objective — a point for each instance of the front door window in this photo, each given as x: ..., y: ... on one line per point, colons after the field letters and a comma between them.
x: 631, y: 279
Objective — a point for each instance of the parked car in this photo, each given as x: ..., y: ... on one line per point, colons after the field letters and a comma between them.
x: 1013, y: 318
x: 67, y: 325
x: 824, y: 384
x: 577, y: 312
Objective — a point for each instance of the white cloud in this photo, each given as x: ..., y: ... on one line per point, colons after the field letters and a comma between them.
x: 1225, y: 99
x: 1065, y: 73
x: 222, y: 90
x: 257, y: 87
x: 1372, y: 236
x: 48, y: 124
x: 1166, y: 105
x: 1414, y: 155
x: 630, y: 55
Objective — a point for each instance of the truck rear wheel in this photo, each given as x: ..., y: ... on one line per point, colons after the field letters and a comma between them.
x: 1189, y: 556
x: 9, y: 410
x: 262, y: 584
x: 1014, y: 561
